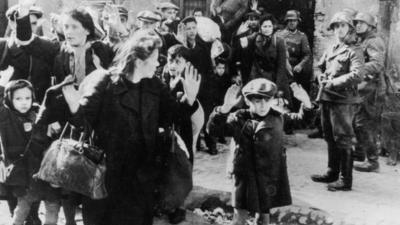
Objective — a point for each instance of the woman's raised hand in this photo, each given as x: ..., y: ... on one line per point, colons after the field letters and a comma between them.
x: 191, y: 83
x: 232, y: 98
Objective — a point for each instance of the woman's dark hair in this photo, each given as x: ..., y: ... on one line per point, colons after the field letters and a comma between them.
x: 139, y: 46
x: 179, y: 50
x: 269, y: 17
x: 81, y: 15
x: 220, y: 60
x: 14, y: 85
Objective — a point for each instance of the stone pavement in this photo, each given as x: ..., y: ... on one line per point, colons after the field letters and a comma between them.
x: 374, y: 200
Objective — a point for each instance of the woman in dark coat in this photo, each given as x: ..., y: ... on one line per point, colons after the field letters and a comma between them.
x: 126, y: 108
x: 268, y: 55
x: 79, y: 55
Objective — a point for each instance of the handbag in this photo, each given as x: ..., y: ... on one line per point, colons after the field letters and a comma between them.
x: 76, y: 166
x: 176, y: 179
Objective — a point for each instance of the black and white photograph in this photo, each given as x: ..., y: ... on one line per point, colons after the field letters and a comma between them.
x: 199, y: 112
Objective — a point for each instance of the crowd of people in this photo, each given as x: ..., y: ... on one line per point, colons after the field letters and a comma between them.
x: 126, y: 81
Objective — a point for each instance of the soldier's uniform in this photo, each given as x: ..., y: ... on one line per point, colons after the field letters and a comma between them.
x: 299, y: 53
x: 341, y: 65
x: 371, y: 91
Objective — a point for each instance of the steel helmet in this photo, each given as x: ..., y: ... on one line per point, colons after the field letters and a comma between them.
x: 341, y: 17
x: 292, y: 15
x: 366, y: 18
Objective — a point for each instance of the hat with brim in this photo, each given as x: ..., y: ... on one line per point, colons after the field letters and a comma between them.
x: 37, y: 11
x: 252, y: 15
x: 260, y: 87
x: 34, y: 10
x: 148, y: 16
x: 167, y: 5
x: 122, y: 11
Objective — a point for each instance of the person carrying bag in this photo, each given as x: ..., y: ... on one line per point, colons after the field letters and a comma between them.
x: 75, y: 165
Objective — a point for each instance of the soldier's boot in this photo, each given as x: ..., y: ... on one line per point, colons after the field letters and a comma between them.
x: 372, y: 164
x: 367, y: 166
x: 358, y: 154
x: 345, y: 181
x: 328, y: 177
x: 333, y: 167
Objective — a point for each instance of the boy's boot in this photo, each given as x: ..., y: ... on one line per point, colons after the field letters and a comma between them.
x: 177, y: 216
x: 345, y: 181
x: 211, y: 143
x: 33, y: 217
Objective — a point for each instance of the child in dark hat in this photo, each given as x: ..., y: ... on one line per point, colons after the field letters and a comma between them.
x: 17, y: 116
x: 259, y: 160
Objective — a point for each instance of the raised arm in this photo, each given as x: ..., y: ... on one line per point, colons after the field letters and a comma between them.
x: 39, y: 47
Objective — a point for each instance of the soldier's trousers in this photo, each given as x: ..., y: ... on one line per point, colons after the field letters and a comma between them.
x: 365, y: 127
x: 338, y: 132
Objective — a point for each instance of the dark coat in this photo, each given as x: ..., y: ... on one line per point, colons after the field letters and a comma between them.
x: 15, y: 131
x: 259, y: 163
x: 27, y: 67
x: 58, y: 55
x: 108, y: 108
x: 268, y: 60
x: 342, y: 64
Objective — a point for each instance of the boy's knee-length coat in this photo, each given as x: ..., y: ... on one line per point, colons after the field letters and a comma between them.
x: 259, y: 162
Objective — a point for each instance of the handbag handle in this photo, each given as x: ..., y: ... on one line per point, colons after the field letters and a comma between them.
x: 83, y: 136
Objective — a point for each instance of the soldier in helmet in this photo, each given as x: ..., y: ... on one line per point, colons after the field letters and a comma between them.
x: 366, y: 120
x: 298, y: 48
x: 341, y: 66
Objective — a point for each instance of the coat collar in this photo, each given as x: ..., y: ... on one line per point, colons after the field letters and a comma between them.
x: 337, y: 49
x: 267, y: 122
x: 148, y: 91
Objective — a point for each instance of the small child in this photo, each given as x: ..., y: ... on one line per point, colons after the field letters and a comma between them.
x: 221, y: 79
x: 259, y: 161
x: 17, y: 116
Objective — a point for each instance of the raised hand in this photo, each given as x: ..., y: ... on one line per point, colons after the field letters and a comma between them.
x: 111, y: 15
x: 181, y: 36
x: 26, y: 3
x: 24, y: 6
x: 244, y: 27
x: 231, y: 99
x: 300, y: 94
x: 254, y: 5
x: 191, y: 83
